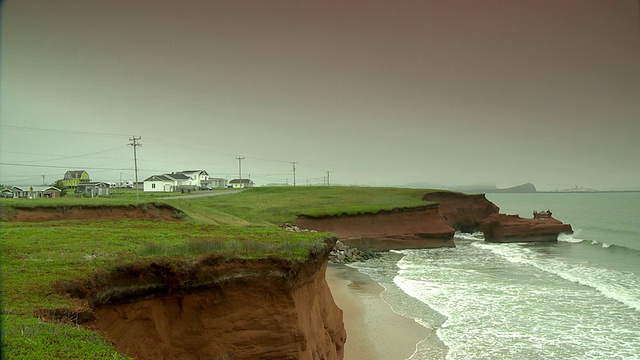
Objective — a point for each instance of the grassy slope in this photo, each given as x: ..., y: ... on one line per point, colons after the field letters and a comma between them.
x: 34, y: 256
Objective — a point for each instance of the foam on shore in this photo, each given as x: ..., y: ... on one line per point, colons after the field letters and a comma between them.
x: 374, y: 330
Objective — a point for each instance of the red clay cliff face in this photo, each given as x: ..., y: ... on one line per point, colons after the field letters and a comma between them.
x: 262, y: 309
x: 413, y: 228
x: 462, y: 212
x: 513, y: 228
x: 429, y: 226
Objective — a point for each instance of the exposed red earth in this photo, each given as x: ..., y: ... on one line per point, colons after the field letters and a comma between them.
x: 79, y: 212
x: 429, y: 226
x: 513, y: 228
x: 251, y: 309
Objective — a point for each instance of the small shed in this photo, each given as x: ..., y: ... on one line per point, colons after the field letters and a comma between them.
x: 92, y: 189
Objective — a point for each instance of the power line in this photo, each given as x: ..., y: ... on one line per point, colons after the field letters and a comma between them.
x: 77, y: 156
x: 27, y: 128
x: 62, y: 167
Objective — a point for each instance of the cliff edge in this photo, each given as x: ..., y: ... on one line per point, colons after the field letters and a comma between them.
x: 219, y: 309
x: 428, y: 226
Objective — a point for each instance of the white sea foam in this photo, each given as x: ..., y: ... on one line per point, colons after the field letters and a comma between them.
x: 486, y: 296
x: 570, y: 238
x: 615, y: 285
x: 476, y: 236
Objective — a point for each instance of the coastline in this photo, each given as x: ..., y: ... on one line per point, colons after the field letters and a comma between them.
x: 374, y: 330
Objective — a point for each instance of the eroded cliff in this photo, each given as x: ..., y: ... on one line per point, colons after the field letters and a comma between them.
x: 219, y: 309
x: 428, y: 226
x: 147, y: 211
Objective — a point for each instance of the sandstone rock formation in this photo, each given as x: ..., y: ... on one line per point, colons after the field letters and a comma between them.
x: 513, y: 228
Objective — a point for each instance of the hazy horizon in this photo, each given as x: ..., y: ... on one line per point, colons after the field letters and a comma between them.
x: 380, y: 93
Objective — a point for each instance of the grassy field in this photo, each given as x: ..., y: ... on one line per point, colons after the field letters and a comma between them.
x: 277, y: 205
x: 36, y: 258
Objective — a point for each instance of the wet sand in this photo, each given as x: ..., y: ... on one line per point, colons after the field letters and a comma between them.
x: 374, y: 331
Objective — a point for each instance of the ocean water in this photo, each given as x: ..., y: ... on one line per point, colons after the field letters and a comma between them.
x: 575, y: 299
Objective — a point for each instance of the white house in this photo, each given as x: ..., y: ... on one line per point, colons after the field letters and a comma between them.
x: 158, y: 183
x: 241, y: 183
x: 169, y: 183
x: 196, y: 177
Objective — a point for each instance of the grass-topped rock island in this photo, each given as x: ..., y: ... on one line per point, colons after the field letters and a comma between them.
x: 211, y: 277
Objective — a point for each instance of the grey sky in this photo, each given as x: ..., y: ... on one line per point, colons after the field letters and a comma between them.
x: 377, y: 92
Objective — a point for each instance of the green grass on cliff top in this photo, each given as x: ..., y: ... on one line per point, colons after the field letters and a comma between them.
x: 277, y: 205
x: 36, y: 256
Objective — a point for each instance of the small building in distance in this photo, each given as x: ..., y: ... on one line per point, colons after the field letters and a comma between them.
x: 72, y: 178
x: 35, y: 192
x: 241, y: 183
x: 214, y: 183
x: 93, y: 189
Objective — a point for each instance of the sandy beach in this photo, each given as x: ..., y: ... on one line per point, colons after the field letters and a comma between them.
x: 374, y: 331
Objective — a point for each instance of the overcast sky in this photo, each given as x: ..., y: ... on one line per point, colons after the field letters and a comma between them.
x: 377, y: 92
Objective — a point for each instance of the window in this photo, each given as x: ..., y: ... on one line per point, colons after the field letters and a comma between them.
x: 153, y: 186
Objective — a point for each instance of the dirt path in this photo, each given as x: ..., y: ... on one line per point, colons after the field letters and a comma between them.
x: 204, y: 194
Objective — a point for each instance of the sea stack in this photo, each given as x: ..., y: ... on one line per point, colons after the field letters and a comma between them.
x: 502, y: 228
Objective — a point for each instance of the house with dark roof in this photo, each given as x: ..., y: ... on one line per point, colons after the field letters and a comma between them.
x: 241, y: 183
x: 72, y: 178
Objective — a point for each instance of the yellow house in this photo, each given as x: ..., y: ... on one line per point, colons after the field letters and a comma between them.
x: 73, y: 177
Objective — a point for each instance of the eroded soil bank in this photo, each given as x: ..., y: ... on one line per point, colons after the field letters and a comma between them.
x: 218, y: 309
x: 79, y: 212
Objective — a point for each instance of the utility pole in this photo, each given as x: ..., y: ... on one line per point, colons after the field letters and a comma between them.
x: 294, y: 172
x: 135, y: 144
x: 328, y: 172
x: 240, y: 167
x: 43, y: 183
